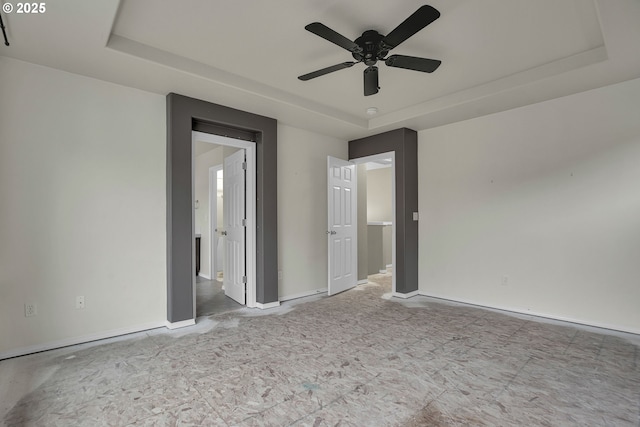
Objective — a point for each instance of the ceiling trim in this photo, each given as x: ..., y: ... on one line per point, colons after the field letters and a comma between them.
x: 527, y: 86
x: 142, y: 51
x: 485, y: 90
x: 145, y: 52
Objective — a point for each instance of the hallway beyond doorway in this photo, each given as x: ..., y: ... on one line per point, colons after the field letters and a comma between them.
x: 210, y: 298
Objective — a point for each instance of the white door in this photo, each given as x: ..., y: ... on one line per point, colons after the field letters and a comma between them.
x: 233, y: 195
x: 342, y: 231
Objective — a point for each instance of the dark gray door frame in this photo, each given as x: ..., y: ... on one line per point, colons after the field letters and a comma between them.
x: 185, y: 114
x: 404, y: 143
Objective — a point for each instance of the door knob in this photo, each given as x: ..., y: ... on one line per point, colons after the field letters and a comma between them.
x: 332, y: 232
x: 223, y: 233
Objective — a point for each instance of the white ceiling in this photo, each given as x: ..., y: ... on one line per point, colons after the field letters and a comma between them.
x: 496, y: 54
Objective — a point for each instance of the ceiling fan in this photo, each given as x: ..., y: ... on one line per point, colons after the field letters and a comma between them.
x: 372, y: 47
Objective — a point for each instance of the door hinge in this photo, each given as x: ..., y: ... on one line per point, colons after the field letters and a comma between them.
x: 244, y: 222
x: 244, y: 279
x: 244, y: 165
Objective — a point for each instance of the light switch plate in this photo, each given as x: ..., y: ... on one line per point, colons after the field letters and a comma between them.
x: 415, y: 216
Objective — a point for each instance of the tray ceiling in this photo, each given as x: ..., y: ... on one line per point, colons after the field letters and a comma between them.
x: 496, y: 54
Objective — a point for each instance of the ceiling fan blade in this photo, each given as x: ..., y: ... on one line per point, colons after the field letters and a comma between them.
x: 413, y: 63
x: 327, y: 70
x: 330, y: 35
x: 371, y: 81
x: 414, y: 23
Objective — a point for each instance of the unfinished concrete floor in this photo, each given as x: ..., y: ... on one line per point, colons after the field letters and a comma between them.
x: 355, y: 359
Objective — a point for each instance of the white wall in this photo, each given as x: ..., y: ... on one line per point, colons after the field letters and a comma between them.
x: 547, y: 195
x: 82, y: 207
x: 379, y: 195
x: 302, y: 208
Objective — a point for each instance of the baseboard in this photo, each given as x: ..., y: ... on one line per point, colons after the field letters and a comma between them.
x: 538, y: 314
x: 404, y: 296
x: 306, y: 294
x: 79, y: 340
x: 204, y: 276
x: 268, y: 305
x: 360, y: 282
x: 181, y: 324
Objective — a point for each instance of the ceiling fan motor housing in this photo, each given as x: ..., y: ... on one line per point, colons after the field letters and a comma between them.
x: 372, y: 48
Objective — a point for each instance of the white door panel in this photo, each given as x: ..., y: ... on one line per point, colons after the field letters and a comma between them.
x: 234, y: 214
x: 342, y: 230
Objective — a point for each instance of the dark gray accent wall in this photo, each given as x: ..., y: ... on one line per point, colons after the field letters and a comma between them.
x: 183, y: 115
x: 404, y: 142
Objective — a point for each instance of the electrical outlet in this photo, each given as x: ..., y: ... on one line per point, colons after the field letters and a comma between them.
x: 80, y: 302
x: 30, y: 309
x: 279, y: 274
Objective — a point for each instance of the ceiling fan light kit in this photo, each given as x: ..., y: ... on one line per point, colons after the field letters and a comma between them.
x: 372, y: 47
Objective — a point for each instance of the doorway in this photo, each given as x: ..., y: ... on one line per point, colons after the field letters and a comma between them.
x: 379, y: 228
x: 223, y: 211
x: 209, y: 285
x: 184, y: 115
x: 351, y: 258
x: 404, y: 144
